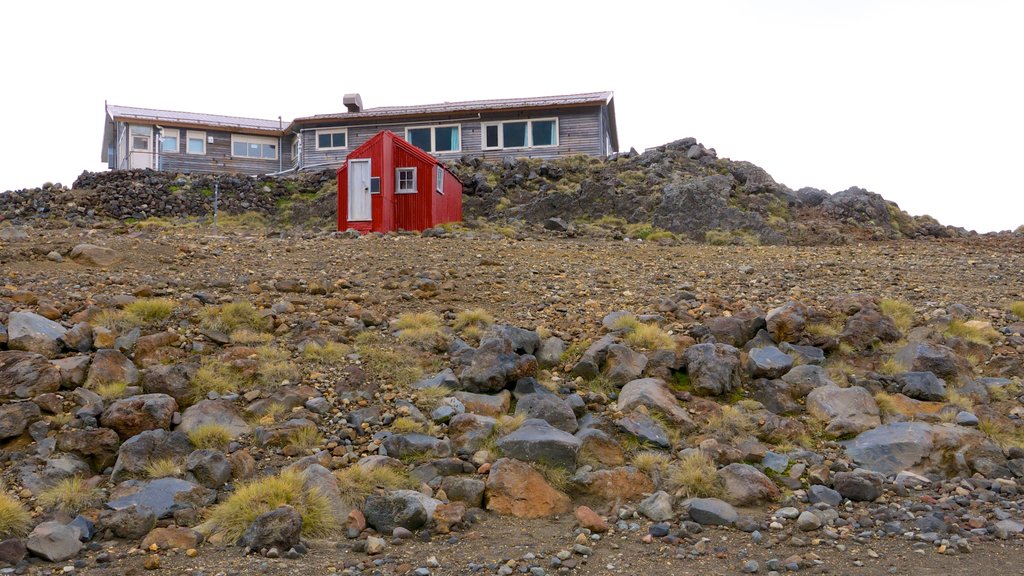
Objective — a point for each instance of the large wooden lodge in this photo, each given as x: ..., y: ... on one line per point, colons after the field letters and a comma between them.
x: 189, y: 142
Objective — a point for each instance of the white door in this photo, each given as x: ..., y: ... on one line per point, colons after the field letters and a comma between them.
x: 359, y: 190
x: 140, y: 146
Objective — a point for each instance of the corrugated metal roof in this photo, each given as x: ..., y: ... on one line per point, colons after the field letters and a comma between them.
x: 467, y: 106
x: 195, y: 118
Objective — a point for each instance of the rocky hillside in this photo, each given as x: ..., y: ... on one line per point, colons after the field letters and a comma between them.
x: 397, y: 404
x: 681, y: 188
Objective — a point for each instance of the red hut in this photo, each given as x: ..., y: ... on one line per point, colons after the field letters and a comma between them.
x: 388, y: 184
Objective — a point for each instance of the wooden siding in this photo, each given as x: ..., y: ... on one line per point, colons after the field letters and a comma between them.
x: 580, y: 131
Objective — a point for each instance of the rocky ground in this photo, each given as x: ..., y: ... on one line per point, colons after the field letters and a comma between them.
x: 467, y: 402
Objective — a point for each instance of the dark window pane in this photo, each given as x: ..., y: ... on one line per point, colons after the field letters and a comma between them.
x: 514, y: 134
x: 446, y: 139
x: 543, y: 132
x: 420, y: 138
x: 374, y: 185
x: 270, y: 151
x: 323, y: 140
x: 338, y: 139
x: 491, y: 137
x: 140, y: 143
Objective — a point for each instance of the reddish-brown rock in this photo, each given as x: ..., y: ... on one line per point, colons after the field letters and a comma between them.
x: 515, y: 488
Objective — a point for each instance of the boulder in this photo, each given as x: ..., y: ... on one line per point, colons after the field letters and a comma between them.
x: 465, y: 489
x: 654, y: 394
x: 222, y: 412
x: 98, y: 446
x: 92, y: 255
x: 523, y: 341
x: 620, y: 483
x: 550, y: 408
x: 922, y: 386
x: 622, y: 364
x: 712, y: 512
x: 537, y: 441
x: 129, y: 416
x: 777, y: 396
x: 171, y: 537
x: 657, y: 507
x: 73, y: 370
x: 639, y: 423
x: 78, y: 338
x: 129, y: 522
x: 808, y: 521
x: 589, y: 364
x: 54, y: 541
x: 590, y: 520
x: 818, y: 493
x: 279, y: 528
x: 443, y: 379
x: 805, y: 378
x: 12, y: 550
x: 892, y: 448
x: 15, y: 417
x: 468, y: 432
x: 492, y: 405
x: 867, y: 327
x: 162, y: 496
x: 786, y: 323
x: 385, y: 512
x: 599, y: 448
x: 768, y: 362
x: 170, y: 379
x: 714, y: 369
x: 416, y: 445
x: 935, y: 358
x: 209, y: 467
x: 26, y: 374
x: 804, y: 355
x: 31, y: 332
x: 112, y: 366
x: 847, y: 410
x: 746, y: 485
x: 496, y: 364
x: 515, y: 488
x: 859, y: 485
x: 139, y: 450
x: 550, y: 352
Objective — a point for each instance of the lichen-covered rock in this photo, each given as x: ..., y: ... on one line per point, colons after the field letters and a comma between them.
x: 713, y: 369
x: 847, y: 410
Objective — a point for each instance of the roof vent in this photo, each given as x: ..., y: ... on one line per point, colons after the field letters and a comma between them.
x: 354, y: 102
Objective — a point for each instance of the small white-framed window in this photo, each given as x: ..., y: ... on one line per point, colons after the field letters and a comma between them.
x: 295, y: 149
x: 439, y: 179
x: 434, y: 139
x: 245, y: 146
x: 532, y: 133
x: 405, y: 181
x: 332, y: 139
x: 195, y: 142
x: 170, y: 139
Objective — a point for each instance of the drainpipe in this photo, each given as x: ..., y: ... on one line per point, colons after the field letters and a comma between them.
x: 280, y: 150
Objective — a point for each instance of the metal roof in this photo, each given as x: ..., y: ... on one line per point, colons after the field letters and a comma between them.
x: 192, y: 118
x: 470, y: 105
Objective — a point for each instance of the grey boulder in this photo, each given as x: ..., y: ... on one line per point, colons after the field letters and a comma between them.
x: 54, y: 541
x: 538, y: 441
x: 31, y: 332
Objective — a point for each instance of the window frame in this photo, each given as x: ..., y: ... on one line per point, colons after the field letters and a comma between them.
x: 439, y: 179
x: 195, y: 135
x: 318, y: 132
x: 260, y: 140
x: 433, y: 137
x: 177, y: 140
x: 398, y: 181
x: 529, y: 133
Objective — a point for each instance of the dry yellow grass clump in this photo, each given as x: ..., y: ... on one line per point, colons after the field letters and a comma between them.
x: 420, y: 328
x: 902, y: 313
x: 693, y: 476
x: 215, y: 376
x: 357, y: 482
x: 329, y: 353
x: 232, y: 517
x: 643, y: 336
x: 235, y: 316
x: 210, y: 435
x: 650, y: 461
x: 974, y: 331
x: 70, y: 495
x: 112, y: 390
x: 144, y: 312
x: 305, y: 438
x: 15, y: 520
x: 1017, y: 309
x: 162, y: 468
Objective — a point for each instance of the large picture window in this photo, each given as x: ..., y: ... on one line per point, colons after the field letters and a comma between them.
x: 435, y: 138
x: 253, y: 147
x: 536, y: 133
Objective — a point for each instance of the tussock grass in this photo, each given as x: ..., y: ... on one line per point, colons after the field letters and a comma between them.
x: 357, y: 482
x: 477, y: 317
x: 602, y: 385
x: 506, y: 424
x: 643, y: 336
x: 886, y: 403
x: 305, y: 438
x: 275, y: 369
x: 430, y: 398
x: 234, y: 316
x: 902, y: 313
x: 150, y: 311
x: 574, y: 351
x: 1017, y: 309
x: 111, y: 390
x: 210, y: 435
x: 407, y: 425
x: 162, y: 468
x: 557, y: 476
x: 384, y: 364
x: 961, y: 401
x: 1003, y: 433
x: 891, y: 367
x: 15, y: 520
x: 837, y: 369
x: 824, y: 329
x: 420, y: 328
x: 693, y: 476
x: 215, y: 376
x: 626, y: 323
x: 116, y: 320
x: 331, y: 353
x: 975, y: 332
x: 71, y: 496
x: 729, y: 424
x: 232, y: 517
x: 250, y: 337
x: 61, y: 419
x: 650, y: 461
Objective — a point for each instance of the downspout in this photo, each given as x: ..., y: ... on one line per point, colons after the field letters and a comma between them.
x: 280, y: 150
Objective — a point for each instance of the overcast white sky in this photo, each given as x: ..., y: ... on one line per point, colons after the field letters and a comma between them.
x: 920, y: 101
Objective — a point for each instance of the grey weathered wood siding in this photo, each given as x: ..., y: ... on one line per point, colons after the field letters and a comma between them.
x: 581, y: 130
x: 218, y: 158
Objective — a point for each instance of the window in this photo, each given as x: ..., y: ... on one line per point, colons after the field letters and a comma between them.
x: 435, y: 138
x: 195, y: 142
x: 405, y: 181
x: 169, y: 140
x: 140, y: 136
x: 333, y: 139
x: 374, y: 185
x: 439, y: 179
x: 295, y: 149
x: 253, y: 147
x: 536, y: 133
